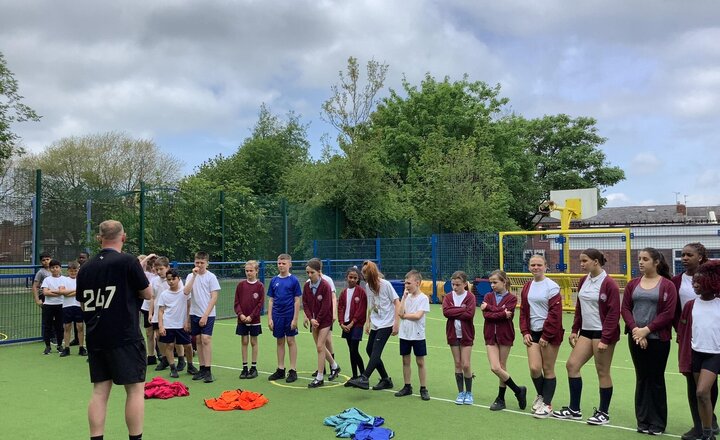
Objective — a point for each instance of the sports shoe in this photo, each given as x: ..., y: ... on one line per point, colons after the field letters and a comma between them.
x: 252, y: 374
x: 174, y: 371
x: 469, y: 400
x: 642, y: 429
x: 404, y: 391
x: 59, y: 348
x: 278, y: 374
x: 347, y: 382
x: 151, y: 360
x: 521, y: 396
x: 497, y: 405
x: 291, y: 377
x: 537, y: 403
x: 65, y: 352
x: 316, y: 383
x: 654, y: 430
x: 244, y: 373
x: 543, y: 412
x: 47, y: 350
x: 424, y: 394
x: 334, y: 373
x: 208, y: 377
x: 360, y: 382
x: 191, y: 369
x: 74, y: 342
x: 200, y: 375
x: 598, y: 418
x: 460, y: 399
x: 384, y: 384
x: 181, y: 364
x: 566, y: 413
x: 163, y: 364
x: 692, y: 434
x: 82, y: 351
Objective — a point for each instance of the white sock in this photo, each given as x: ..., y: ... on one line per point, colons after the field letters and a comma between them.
x: 319, y: 376
x: 334, y: 365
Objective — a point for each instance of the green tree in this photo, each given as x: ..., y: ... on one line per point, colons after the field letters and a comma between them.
x: 12, y: 110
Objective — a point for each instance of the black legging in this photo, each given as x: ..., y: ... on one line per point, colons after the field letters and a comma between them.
x: 52, y: 319
x: 375, y: 346
x: 356, y: 361
x: 650, y: 392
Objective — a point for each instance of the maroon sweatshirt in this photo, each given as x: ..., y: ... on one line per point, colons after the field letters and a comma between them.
x: 463, y: 313
x: 552, y: 328
x: 319, y: 305
x: 358, y: 306
x: 249, y: 300
x: 609, y: 305
x: 684, y: 336
x: 498, y: 328
x: 667, y: 303
x: 677, y: 281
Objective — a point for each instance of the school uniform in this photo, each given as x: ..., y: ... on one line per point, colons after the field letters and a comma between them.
x: 174, y: 317
x: 604, y: 308
x: 71, y: 307
x: 283, y: 291
x: 52, y: 310
x: 249, y: 301
x: 203, y: 287
x: 532, y: 322
x: 459, y: 316
x: 352, y: 307
x: 650, y: 363
x: 317, y: 303
x: 498, y: 328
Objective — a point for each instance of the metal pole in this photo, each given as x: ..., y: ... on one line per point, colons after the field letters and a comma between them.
x: 142, y: 217
x: 38, y: 216
x: 285, y: 225
x: 88, y: 224
x: 222, y: 225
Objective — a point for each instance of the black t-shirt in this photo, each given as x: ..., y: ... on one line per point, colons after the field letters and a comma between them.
x: 108, y: 287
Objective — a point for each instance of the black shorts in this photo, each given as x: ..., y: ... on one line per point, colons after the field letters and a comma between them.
x: 72, y: 314
x: 123, y: 365
x: 146, y: 318
x: 535, y: 336
x: 418, y: 347
x: 705, y: 361
x: 355, y: 333
x: 591, y: 334
x: 245, y: 330
x: 155, y: 326
x: 175, y: 336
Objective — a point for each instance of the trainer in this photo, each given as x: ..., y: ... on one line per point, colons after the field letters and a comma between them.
x: 111, y: 287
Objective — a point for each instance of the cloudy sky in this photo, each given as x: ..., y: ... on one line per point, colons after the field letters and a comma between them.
x: 192, y: 74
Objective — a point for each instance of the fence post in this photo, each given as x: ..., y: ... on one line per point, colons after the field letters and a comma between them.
x: 88, y: 225
x: 315, y: 248
x: 261, y: 272
x: 283, y: 203
x: 222, y: 224
x: 142, y: 217
x: 377, y: 251
x: 434, y: 266
x: 36, y: 218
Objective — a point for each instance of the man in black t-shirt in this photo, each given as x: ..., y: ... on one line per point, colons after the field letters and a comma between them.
x: 111, y: 287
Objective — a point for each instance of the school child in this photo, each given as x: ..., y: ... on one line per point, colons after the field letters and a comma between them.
x: 459, y: 309
x: 648, y: 309
x: 382, y: 322
x: 698, y: 336
x: 541, y: 327
x: 174, y: 321
x: 498, y: 308
x: 159, y: 285
x: 249, y: 301
x: 72, y: 313
x: 595, y: 331
x: 413, y: 307
x: 283, y: 309
x: 328, y: 341
x: 352, y: 313
x: 53, y: 288
x: 317, y: 305
x: 692, y: 256
x: 40, y: 276
x: 203, y: 288
x: 147, y: 262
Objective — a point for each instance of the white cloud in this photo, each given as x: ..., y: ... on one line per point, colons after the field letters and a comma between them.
x: 617, y: 199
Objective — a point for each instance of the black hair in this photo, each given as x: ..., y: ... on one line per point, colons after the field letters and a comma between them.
x: 662, y: 268
x: 54, y: 263
x: 45, y: 255
x: 595, y: 254
x: 173, y: 272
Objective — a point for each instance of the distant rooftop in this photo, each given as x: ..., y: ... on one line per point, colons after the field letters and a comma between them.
x: 653, y: 214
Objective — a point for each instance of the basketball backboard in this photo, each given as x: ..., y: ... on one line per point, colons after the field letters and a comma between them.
x: 587, y: 196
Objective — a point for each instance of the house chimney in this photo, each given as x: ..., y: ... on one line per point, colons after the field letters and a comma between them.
x: 681, y: 209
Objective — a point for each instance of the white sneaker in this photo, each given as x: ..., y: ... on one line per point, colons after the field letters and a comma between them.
x: 543, y: 412
x: 537, y: 403
x: 599, y: 418
x: 566, y: 413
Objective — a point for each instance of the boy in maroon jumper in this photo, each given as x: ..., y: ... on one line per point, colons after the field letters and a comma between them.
x: 352, y: 313
x: 318, y: 308
x: 249, y: 301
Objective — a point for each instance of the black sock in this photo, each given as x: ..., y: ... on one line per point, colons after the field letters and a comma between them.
x: 97, y: 437
x: 549, y: 390
x: 244, y: 365
x: 422, y: 388
x: 538, y: 382
x: 208, y: 369
x: 408, y: 386
x: 501, y: 393
x: 254, y: 365
x: 135, y: 437
x: 468, y: 384
x: 459, y: 381
x: 511, y: 384
x: 181, y: 358
x: 605, y: 396
x: 575, y: 384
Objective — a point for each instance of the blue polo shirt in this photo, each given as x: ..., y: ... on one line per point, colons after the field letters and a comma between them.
x: 283, y: 291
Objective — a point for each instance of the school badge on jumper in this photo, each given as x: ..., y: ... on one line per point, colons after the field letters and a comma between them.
x: 319, y: 297
x: 603, y: 297
x: 357, y: 300
x: 255, y: 295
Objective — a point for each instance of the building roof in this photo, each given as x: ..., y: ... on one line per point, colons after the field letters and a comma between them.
x: 653, y: 214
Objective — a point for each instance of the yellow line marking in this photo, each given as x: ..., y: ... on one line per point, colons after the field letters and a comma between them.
x: 3, y: 336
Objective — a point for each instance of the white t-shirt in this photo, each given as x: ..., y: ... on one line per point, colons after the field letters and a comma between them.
x: 70, y: 301
x: 538, y: 297
x: 457, y: 302
x: 382, y: 305
x: 151, y: 277
x: 706, y: 326
x: 53, y: 283
x: 202, y: 287
x: 589, y: 297
x: 686, y: 292
x: 410, y: 329
x: 159, y: 285
x: 175, y: 304
x: 348, y: 300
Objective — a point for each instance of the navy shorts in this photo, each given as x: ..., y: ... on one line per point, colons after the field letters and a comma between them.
x: 123, y: 365
x: 195, y: 328
x: 705, y: 361
x: 591, y: 334
x: 72, y: 314
x: 155, y: 326
x: 281, y: 327
x: 175, y: 335
x: 355, y: 333
x: 146, y: 318
x: 418, y: 347
x: 535, y: 336
x: 245, y: 330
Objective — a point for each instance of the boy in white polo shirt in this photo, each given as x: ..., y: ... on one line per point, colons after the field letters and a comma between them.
x: 413, y: 307
x: 174, y: 321
x: 72, y: 313
x: 52, y: 288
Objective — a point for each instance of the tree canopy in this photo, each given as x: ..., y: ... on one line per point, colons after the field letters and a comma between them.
x: 12, y: 110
